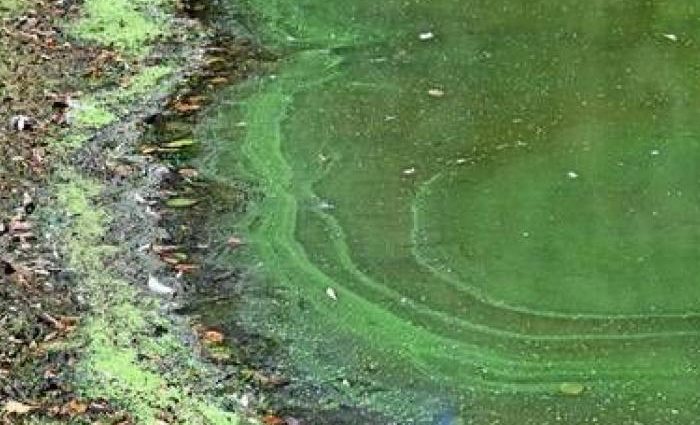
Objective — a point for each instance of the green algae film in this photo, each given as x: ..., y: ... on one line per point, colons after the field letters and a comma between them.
x: 485, y: 205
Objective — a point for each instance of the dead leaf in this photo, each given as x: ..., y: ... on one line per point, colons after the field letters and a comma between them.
x: 189, y: 173
x: 213, y: 337
x: 163, y: 249
x: 234, y: 242
x: 273, y: 420
x: 76, y: 407
x: 219, y: 80
x: 186, y: 267
x: 17, y: 408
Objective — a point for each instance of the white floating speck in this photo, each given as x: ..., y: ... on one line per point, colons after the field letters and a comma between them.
x: 672, y: 37
x: 655, y: 152
x: 526, y: 234
x: 331, y: 294
x: 461, y: 161
x: 425, y: 36
x: 435, y: 92
x: 572, y: 175
x: 409, y: 171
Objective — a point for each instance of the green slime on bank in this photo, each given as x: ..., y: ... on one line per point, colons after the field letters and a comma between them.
x: 502, y: 196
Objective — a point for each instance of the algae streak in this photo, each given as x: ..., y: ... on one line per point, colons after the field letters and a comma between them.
x: 124, y: 360
x: 132, y: 354
x: 126, y: 24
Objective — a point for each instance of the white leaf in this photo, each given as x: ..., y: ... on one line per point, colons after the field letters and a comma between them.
x: 157, y: 287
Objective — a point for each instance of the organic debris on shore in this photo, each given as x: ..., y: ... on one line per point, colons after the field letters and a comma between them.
x: 38, y: 305
x: 77, y: 340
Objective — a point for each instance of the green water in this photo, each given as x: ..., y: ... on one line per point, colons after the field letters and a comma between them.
x: 506, y: 211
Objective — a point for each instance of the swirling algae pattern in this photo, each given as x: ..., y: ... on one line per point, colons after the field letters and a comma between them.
x: 415, y: 209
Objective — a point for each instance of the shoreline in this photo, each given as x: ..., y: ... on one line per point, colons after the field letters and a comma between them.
x: 112, y: 349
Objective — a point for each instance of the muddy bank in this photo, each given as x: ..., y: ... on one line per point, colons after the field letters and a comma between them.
x: 88, y: 280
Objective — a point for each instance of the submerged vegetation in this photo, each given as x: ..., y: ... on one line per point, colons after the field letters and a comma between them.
x: 477, y: 209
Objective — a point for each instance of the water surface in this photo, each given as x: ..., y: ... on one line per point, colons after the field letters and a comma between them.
x: 478, y: 211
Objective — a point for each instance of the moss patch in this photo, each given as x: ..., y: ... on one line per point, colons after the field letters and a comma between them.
x: 92, y: 113
x: 125, y: 24
x: 146, y: 80
x: 7, y: 6
x: 125, y: 361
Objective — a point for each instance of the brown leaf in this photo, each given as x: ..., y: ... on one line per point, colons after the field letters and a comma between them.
x: 183, y: 107
x: 186, y: 267
x: 213, y: 337
x: 273, y: 420
x: 76, y: 407
x: 219, y: 80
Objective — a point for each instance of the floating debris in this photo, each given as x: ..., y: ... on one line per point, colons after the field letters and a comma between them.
x: 331, y: 294
x: 572, y: 175
x: 672, y: 37
x: 425, y: 36
x: 409, y: 171
x: 435, y: 92
x: 572, y: 388
x: 655, y: 152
